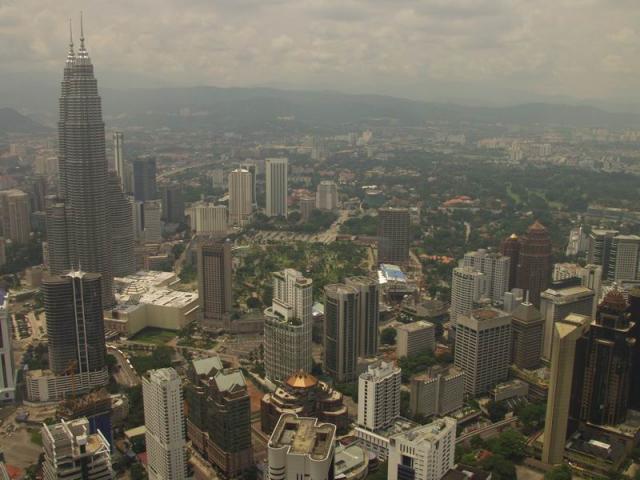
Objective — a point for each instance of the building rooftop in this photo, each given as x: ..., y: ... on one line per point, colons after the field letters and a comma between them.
x: 301, y: 380
x: 163, y: 297
x: 350, y: 460
x: 415, y: 326
x: 390, y: 273
x: 566, y: 294
x: 430, y: 432
x: 204, y: 366
x: 304, y: 436
x: 229, y: 380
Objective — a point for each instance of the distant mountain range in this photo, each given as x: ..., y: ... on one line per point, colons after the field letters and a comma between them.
x: 250, y: 109
x: 13, y: 122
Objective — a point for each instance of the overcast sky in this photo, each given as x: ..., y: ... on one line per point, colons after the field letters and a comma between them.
x: 577, y: 48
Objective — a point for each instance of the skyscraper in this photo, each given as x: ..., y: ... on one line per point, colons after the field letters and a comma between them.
x: 75, y: 326
x: 527, y: 334
x: 609, y: 363
x: 340, y: 332
x: 483, y: 349
x: 277, y: 187
x: 624, y: 258
x: 152, y: 223
x: 495, y: 266
x: 15, y: 223
x: 240, y: 205
x: 327, y: 195
x: 172, y: 204
x: 164, y: 421
x: 288, y: 325
x: 252, y: 168
x: 393, y: 235
x: 208, y: 219
x: 82, y: 166
x: 468, y: 286
x: 423, y: 453
x: 300, y: 448
x: 144, y: 179
x: 368, y: 314
x: 510, y: 247
x: 379, y: 396
x: 71, y: 452
x: 215, y: 284
x: 600, y: 241
x: 566, y: 366
x: 7, y: 373
x: 534, y: 262
x: 122, y: 237
x: 307, y: 205
x: 118, y: 159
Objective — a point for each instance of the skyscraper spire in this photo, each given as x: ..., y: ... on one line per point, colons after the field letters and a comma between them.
x: 82, y: 52
x: 71, y: 55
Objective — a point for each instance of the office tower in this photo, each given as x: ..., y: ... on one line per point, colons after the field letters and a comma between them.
x: 287, y: 326
x: 240, y: 205
x: 144, y: 179
x: 301, y: 447
x: 307, y: 205
x: 219, y: 416
x: 559, y: 301
x: 72, y: 453
x: 467, y: 287
x: 318, y: 149
x: 423, y: 453
x: 534, y: 262
x: 208, y: 219
x: 7, y: 374
x: 624, y: 257
x: 393, y: 235
x: 527, y: 327
x: 600, y: 241
x: 215, y: 284
x: 172, y: 204
x: 82, y: 166
x: 39, y: 194
x: 164, y: 420
x: 327, y: 195
x: 483, y: 349
x: 217, y: 178
x: 118, y: 160
x: 415, y: 338
x: 137, y: 218
x: 611, y: 347
x: 495, y: 266
x: 305, y: 394
x: 340, y: 329
x: 75, y: 327
x: 152, y: 223
x: 379, y: 396
x: 566, y: 367
x: 122, y: 238
x: 15, y: 223
x: 3, y: 252
x: 437, y: 392
x: 58, y: 241
x: 368, y: 314
x: 252, y: 168
x: 276, y: 179
x: 634, y: 311
x: 510, y: 247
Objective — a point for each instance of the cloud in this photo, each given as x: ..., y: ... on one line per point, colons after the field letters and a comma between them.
x: 585, y: 48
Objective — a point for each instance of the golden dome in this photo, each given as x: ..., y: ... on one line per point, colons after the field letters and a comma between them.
x: 302, y: 380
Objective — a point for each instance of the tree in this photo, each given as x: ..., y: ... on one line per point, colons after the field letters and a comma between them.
x: 138, y: 472
x: 511, y: 445
x: 380, y: 473
x: 496, y: 410
x: 388, y: 336
x: 561, y: 472
x: 500, y: 467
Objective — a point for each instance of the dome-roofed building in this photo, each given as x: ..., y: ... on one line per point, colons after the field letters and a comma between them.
x: 303, y: 394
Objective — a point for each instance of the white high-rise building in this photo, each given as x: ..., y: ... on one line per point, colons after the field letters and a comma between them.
x: 483, y: 349
x: 467, y: 287
x: 624, y: 257
x: 164, y: 419
x: 415, y: 338
x: 301, y: 447
x: 379, y: 396
x: 152, y: 221
x: 423, y: 453
x: 288, y: 326
x: 327, y: 195
x: 495, y: 266
x: 137, y: 217
x: 207, y: 218
x: 7, y: 374
x: 118, y: 158
x: 252, y: 168
x: 276, y: 185
x: 240, y: 203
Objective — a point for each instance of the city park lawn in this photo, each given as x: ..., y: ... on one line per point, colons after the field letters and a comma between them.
x: 154, y: 336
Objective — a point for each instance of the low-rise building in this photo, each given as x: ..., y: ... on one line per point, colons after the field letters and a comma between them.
x: 415, y: 338
x: 437, y: 392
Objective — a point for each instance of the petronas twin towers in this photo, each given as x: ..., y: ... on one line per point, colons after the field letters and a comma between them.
x: 83, y: 231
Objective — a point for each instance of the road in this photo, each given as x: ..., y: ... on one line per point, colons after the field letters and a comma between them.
x: 125, y: 375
